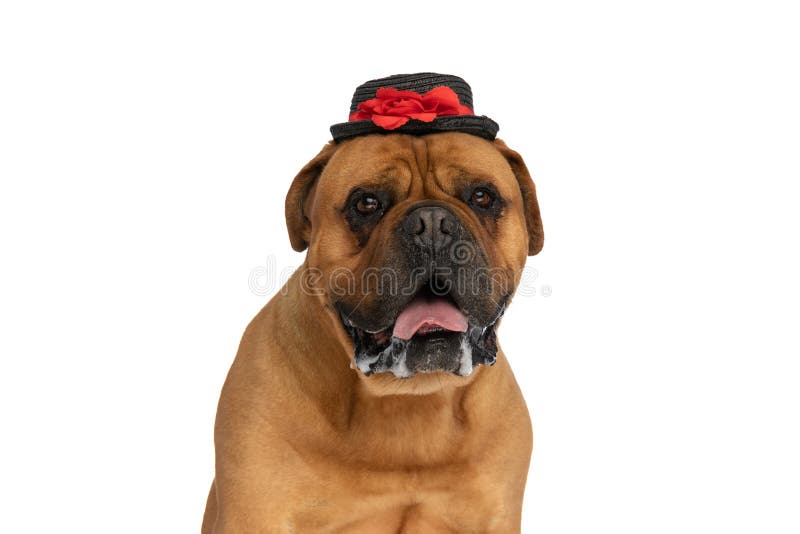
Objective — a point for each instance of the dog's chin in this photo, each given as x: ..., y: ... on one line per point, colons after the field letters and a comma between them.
x: 429, y: 350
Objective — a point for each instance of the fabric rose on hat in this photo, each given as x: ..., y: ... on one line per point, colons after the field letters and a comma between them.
x: 392, y: 108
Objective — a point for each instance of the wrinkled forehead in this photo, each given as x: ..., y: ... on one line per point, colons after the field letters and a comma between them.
x: 405, y: 163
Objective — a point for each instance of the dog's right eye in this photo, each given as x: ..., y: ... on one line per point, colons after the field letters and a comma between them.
x: 364, y: 209
x: 367, y: 204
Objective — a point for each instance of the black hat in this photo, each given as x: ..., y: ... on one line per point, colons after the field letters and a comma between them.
x: 414, y: 104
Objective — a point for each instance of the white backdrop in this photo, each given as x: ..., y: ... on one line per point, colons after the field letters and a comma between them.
x: 145, y: 151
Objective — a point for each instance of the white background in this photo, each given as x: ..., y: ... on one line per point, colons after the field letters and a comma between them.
x: 145, y: 151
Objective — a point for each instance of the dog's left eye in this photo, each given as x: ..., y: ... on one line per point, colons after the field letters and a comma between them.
x: 481, y: 198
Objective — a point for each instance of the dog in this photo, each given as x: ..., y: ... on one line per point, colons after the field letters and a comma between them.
x: 369, y: 395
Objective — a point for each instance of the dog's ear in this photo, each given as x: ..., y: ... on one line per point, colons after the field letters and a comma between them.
x: 299, y: 196
x: 533, y: 219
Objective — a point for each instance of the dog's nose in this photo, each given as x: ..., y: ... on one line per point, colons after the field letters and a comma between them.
x: 430, y: 227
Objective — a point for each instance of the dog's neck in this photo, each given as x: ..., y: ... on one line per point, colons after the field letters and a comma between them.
x: 410, y: 428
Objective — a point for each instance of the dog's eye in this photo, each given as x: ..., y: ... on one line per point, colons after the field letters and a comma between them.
x: 367, y: 204
x: 482, y: 198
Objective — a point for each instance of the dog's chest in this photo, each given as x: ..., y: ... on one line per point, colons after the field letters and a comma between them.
x: 443, y: 510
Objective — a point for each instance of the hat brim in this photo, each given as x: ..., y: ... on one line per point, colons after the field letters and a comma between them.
x: 481, y: 126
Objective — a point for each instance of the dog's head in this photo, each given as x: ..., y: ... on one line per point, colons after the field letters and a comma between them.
x: 415, y: 246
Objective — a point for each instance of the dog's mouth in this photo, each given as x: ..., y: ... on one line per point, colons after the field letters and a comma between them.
x: 428, y: 313
x: 431, y: 333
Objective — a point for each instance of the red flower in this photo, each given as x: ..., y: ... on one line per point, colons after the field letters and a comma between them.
x: 392, y: 108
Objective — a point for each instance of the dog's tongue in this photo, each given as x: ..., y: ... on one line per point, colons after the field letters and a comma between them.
x: 425, y: 314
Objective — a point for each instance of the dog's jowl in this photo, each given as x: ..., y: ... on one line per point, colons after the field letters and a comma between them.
x: 371, y: 394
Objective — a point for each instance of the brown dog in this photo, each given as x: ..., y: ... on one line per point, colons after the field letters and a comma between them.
x: 361, y: 403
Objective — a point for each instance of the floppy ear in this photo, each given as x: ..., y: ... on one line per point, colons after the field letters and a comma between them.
x: 533, y: 219
x: 297, y: 199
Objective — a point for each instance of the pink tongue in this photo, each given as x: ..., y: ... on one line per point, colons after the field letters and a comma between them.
x: 423, y: 315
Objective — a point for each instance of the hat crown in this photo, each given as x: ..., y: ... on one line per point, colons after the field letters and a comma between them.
x: 421, y: 83
x: 428, y: 108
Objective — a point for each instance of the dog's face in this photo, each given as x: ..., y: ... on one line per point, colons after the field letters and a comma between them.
x: 416, y: 245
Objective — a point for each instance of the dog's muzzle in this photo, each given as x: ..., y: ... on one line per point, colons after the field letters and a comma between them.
x: 442, y: 313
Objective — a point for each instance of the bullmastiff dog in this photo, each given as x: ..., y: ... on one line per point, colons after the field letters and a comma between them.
x: 370, y: 394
